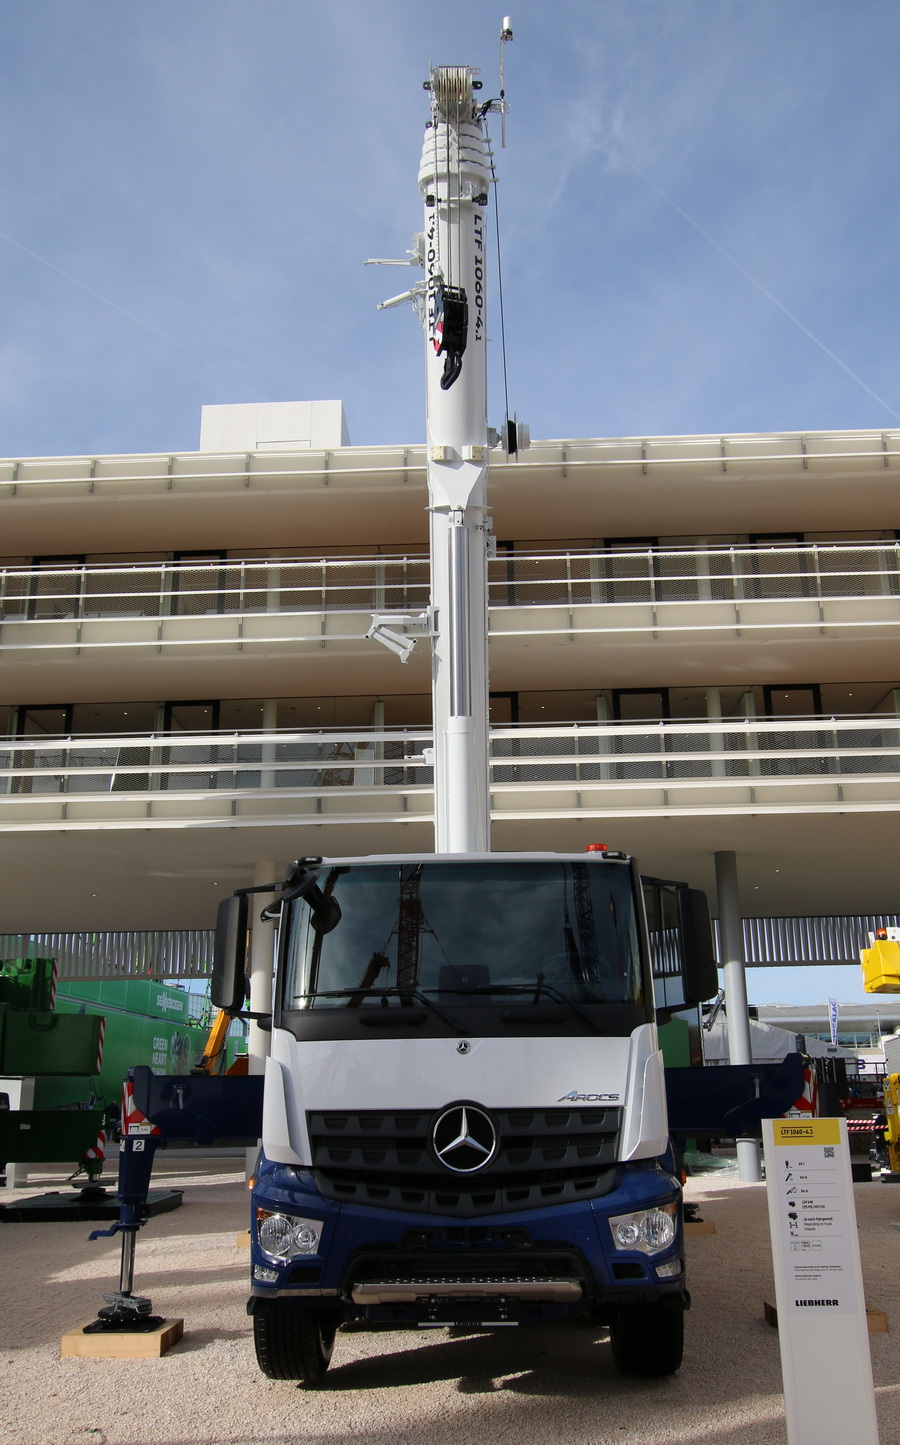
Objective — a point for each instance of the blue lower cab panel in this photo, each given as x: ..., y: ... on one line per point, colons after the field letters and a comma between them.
x: 411, y: 1269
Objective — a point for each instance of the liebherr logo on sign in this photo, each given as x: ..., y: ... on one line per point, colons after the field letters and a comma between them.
x: 811, y: 1303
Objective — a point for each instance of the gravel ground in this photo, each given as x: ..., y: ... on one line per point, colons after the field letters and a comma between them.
x: 553, y: 1384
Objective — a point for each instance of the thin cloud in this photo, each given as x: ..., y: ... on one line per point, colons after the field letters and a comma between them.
x: 770, y: 296
x: 129, y: 315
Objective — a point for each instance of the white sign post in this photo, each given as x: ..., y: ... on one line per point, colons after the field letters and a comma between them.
x: 822, y: 1331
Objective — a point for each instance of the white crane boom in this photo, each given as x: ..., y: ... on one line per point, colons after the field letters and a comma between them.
x: 454, y: 181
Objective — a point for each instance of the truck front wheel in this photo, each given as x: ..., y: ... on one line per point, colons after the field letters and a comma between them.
x: 648, y: 1339
x: 293, y: 1342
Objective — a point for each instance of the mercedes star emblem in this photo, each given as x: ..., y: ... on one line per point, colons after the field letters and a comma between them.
x: 464, y: 1139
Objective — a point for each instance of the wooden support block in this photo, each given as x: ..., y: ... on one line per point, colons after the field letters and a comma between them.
x: 242, y: 1239
x: 876, y: 1320
x: 699, y: 1226
x: 123, y: 1344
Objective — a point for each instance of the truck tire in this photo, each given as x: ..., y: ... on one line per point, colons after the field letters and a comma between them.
x: 648, y: 1339
x: 293, y: 1342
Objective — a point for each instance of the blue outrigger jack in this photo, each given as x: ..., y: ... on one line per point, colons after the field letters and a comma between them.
x: 158, y: 1110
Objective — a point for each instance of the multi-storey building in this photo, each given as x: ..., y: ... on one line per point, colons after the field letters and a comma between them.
x: 694, y: 647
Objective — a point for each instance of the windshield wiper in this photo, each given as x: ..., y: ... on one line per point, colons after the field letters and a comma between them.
x: 414, y: 994
x: 541, y: 989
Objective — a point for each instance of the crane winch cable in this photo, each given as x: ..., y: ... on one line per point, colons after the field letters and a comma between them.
x: 490, y: 155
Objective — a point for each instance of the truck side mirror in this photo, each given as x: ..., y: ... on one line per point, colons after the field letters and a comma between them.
x: 700, y: 973
x: 229, y: 965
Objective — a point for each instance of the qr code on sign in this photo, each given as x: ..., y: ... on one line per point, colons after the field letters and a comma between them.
x: 829, y: 1151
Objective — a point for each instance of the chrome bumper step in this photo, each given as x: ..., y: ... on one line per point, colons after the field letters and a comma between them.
x: 408, y: 1291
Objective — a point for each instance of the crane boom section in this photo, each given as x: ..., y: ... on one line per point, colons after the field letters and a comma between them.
x: 454, y: 181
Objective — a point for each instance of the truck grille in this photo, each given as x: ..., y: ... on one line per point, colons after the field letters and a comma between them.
x: 387, y: 1161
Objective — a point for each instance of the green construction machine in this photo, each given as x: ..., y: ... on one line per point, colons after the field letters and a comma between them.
x: 36, y: 1042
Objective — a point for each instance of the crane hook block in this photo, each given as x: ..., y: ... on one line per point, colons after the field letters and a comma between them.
x: 450, y: 330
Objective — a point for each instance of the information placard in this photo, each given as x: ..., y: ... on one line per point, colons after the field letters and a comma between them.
x: 822, y: 1327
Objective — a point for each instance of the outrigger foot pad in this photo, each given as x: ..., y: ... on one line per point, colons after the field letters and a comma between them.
x: 124, y: 1313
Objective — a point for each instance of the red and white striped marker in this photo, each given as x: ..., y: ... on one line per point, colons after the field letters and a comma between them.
x: 100, y: 1045
x: 98, y: 1150
x: 134, y: 1121
x: 808, y: 1102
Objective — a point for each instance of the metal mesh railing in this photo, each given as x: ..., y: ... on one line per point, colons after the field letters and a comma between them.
x: 704, y: 574
x: 232, y: 763
x: 218, y: 588
x: 378, y: 584
x: 670, y: 754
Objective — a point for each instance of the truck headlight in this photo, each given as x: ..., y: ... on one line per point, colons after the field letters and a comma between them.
x: 646, y: 1230
x: 282, y: 1236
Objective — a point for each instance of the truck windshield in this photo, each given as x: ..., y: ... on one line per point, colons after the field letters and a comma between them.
x: 457, y: 933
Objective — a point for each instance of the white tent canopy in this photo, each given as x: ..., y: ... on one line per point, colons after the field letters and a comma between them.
x: 769, y: 1044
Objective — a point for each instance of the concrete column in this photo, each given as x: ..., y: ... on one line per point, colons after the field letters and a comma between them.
x: 716, y: 740
x: 370, y: 752
x: 273, y: 583
x: 748, y: 710
x: 604, y: 746
x: 701, y: 567
x: 731, y: 942
x: 267, y: 777
x: 157, y: 755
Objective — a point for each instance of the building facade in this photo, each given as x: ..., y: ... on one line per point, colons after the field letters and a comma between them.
x: 694, y: 647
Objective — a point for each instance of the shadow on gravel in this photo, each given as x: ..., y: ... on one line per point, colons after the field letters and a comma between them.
x: 66, y: 1303
x: 532, y: 1356
x: 194, y: 1340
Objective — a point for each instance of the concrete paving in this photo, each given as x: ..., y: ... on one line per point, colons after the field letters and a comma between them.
x: 442, y: 1387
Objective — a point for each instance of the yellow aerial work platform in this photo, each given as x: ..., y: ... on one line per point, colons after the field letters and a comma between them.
x: 881, y: 961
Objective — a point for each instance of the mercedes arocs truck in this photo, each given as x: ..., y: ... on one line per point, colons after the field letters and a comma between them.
x: 464, y: 1118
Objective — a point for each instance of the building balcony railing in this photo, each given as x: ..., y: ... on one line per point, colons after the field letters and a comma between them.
x: 218, y: 780
x: 217, y: 588
x: 712, y: 591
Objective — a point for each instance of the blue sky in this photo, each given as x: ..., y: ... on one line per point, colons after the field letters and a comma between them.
x: 698, y: 217
x: 217, y: 172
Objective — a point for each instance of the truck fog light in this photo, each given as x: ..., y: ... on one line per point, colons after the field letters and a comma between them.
x: 669, y: 1269
x: 267, y: 1276
x: 282, y: 1236
x: 627, y: 1233
x: 646, y: 1230
x: 307, y: 1233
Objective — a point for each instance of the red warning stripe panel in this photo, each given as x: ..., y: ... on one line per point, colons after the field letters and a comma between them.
x: 98, y: 1150
x: 808, y: 1102
x: 100, y: 1045
x: 134, y: 1121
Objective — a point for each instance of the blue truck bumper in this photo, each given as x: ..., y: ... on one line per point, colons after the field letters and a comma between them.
x: 400, y: 1268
